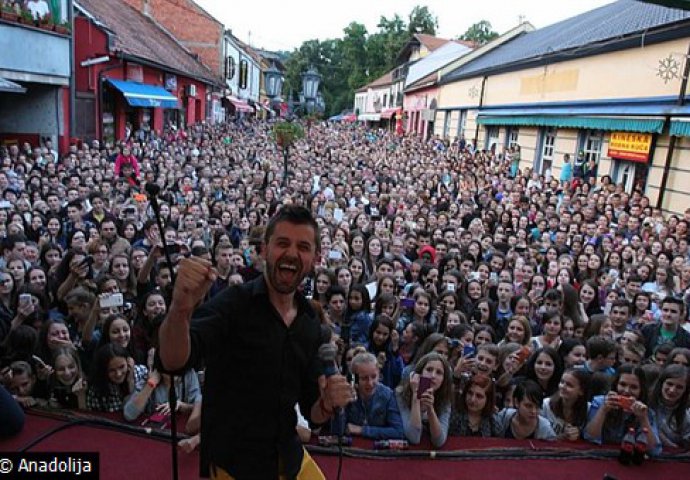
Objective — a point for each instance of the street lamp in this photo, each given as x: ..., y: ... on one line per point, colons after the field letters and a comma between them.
x: 274, y: 81
x: 310, y: 87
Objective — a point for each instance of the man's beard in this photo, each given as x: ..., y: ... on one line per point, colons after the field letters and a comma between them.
x: 284, y: 280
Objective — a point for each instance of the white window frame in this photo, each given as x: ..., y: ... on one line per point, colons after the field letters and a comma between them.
x: 512, y: 137
x: 592, y: 143
x: 446, y: 124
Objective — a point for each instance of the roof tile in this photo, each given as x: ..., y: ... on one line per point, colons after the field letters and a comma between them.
x: 597, y: 26
x: 139, y: 36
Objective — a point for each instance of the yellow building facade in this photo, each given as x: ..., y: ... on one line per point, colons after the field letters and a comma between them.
x: 611, y: 105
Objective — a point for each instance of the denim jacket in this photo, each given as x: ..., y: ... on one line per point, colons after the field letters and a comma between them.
x: 359, y: 331
x: 379, y: 416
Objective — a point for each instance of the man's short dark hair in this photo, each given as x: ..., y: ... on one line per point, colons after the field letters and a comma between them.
x: 77, y: 204
x: 334, y: 290
x: 599, y: 346
x: 620, y: 303
x: 673, y: 300
x: 296, y: 215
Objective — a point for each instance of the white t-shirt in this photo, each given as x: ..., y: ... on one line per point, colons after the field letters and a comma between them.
x: 38, y: 8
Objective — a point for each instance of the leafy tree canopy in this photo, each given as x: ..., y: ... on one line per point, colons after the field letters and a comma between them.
x: 479, y: 33
x: 359, y: 57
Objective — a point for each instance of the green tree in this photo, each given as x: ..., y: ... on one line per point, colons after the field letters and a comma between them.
x: 348, y: 63
x: 384, y: 46
x: 479, y: 33
x: 422, y: 21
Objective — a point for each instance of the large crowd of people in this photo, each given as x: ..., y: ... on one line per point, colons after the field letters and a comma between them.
x: 465, y: 296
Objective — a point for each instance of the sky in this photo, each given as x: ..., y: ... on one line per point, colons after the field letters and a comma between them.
x: 286, y: 24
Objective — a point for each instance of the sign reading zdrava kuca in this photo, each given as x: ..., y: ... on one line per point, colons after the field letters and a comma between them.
x: 630, y: 146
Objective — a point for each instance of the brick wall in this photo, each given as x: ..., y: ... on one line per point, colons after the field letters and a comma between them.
x: 190, y: 25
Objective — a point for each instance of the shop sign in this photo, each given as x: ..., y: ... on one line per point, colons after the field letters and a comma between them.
x: 170, y: 82
x: 630, y: 146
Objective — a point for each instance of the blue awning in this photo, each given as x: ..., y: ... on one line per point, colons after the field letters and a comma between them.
x: 11, y: 87
x: 144, y: 95
x: 680, y: 127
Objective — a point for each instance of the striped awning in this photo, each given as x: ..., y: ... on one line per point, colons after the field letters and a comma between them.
x: 625, y: 124
x: 680, y: 127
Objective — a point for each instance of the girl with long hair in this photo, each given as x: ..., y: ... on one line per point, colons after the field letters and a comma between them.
x: 67, y: 385
x: 670, y: 402
x: 567, y: 408
x: 474, y: 415
x: 624, y: 407
x: 114, y: 378
x: 383, y: 342
x: 427, y: 411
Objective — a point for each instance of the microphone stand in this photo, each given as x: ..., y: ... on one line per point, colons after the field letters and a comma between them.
x: 152, y: 191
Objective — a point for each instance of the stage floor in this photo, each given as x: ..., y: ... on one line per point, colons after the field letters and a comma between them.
x: 132, y: 456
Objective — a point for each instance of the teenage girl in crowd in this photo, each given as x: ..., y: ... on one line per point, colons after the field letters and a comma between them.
x: 427, y: 412
x: 474, y: 416
x: 383, y: 343
x: 566, y: 409
x: 359, y: 313
x: 622, y: 408
x: 115, y: 377
x: 669, y: 401
x: 67, y: 384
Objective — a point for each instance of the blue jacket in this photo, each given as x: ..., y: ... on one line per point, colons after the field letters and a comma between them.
x: 392, y: 369
x: 359, y: 331
x: 379, y: 416
x: 614, y: 434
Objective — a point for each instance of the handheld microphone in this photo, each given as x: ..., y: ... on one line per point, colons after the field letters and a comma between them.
x: 327, y: 355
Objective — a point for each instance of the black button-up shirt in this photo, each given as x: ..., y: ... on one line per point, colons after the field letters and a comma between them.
x: 256, y: 370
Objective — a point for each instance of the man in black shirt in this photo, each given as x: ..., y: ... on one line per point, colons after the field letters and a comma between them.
x: 259, y: 342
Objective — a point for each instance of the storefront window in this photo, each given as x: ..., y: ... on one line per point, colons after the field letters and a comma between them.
x: 548, y: 136
x: 108, y: 116
x: 591, y: 145
x: 461, y: 123
x: 446, y: 123
x: 491, y: 138
x: 512, y: 136
x: 632, y: 175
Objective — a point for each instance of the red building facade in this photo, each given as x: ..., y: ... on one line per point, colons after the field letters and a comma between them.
x: 114, y: 41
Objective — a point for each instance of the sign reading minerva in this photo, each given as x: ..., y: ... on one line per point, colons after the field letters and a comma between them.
x: 630, y: 146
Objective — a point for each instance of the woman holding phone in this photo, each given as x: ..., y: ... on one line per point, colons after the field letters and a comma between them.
x: 624, y: 407
x: 424, y: 399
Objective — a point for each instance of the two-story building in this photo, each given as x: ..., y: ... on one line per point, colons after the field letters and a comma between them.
x: 34, y: 83
x: 132, y: 74
x: 242, y: 75
x: 197, y: 31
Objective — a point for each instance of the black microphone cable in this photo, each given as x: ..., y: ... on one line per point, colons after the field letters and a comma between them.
x: 153, y: 190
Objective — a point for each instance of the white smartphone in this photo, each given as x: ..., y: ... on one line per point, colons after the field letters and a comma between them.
x: 24, y: 298
x: 113, y: 300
